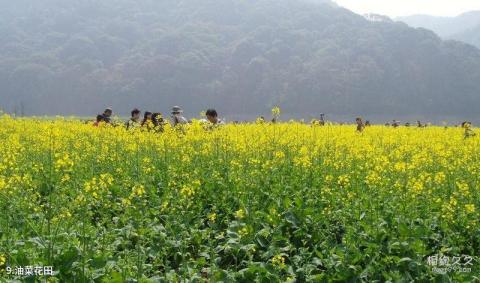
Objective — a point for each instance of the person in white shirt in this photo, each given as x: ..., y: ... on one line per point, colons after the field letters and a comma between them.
x: 212, y: 117
x: 134, y: 121
x: 177, y: 117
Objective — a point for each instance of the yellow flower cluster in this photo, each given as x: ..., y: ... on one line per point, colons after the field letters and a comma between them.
x: 243, y: 232
x: 278, y: 261
x: 63, y: 162
x: 96, y: 185
x: 275, y: 111
x: 240, y: 214
x: 470, y: 208
x: 188, y: 190
x: 212, y: 217
x: 3, y: 184
x: 3, y: 260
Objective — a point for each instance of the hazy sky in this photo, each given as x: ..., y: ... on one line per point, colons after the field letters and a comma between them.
x: 395, y: 8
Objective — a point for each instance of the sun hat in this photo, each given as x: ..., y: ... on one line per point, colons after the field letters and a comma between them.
x: 176, y: 110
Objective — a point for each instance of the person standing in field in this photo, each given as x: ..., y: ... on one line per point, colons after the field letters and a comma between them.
x: 147, y: 122
x: 321, y: 122
x: 468, y: 130
x: 360, y: 125
x: 260, y: 120
x: 107, y: 115
x: 100, y: 119
x: 134, y: 121
x: 158, y: 122
x: 212, y: 117
x: 177, y: 117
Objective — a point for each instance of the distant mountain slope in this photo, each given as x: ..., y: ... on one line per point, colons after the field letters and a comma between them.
x: 241, y: 56
x: 471, y: 36
x: 464, y: 27
x: 444, y: 26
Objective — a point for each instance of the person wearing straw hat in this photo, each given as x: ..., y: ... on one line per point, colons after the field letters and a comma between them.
x: 177, y: 117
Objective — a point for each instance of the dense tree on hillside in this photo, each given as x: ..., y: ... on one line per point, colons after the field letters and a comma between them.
x: 242, y: 56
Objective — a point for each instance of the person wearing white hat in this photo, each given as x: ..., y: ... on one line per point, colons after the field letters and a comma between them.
x: 177, y: 117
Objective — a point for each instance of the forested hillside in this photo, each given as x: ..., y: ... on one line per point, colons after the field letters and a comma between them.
x: 241, y: 56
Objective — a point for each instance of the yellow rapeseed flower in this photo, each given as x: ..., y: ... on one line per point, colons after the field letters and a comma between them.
x: 212, y: 217
x: 3, y: 260
x: 240, y: 214
x: 279, y: 261
x: 470, y: 208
